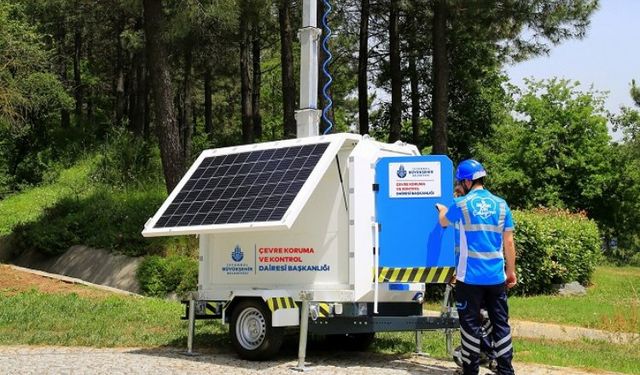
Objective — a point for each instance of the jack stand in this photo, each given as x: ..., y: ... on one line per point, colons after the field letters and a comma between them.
x: 448, y: 337
x: 447, y: 311
x: 192, y: 328
x: 304, y: 329
x: 419, y: 351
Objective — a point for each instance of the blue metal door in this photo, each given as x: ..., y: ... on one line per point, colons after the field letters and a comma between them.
x: 413, y: 245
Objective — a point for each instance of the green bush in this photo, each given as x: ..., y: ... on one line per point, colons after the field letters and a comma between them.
x: 108, y: 219
x: 160, y: 276
x: 554, y: 247
x: 128, y: 160
x: 53, y: 233
x: 635, y: 260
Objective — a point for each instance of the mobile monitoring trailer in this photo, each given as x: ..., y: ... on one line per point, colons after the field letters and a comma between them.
x: 336, y: 234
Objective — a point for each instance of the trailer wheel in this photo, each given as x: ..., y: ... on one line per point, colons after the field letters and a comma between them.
x: 251, y: 332
x: 352, y: 341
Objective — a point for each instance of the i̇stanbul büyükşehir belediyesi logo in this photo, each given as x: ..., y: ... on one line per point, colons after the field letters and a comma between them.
x: 402, y: 173
x: 237, y: 255
x: 483, y: 207
x: 237, y: 267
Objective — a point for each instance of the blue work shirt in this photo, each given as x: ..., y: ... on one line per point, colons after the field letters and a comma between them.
x: 480, y: 219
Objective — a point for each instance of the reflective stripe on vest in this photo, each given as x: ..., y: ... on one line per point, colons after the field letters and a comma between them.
x: 485, y: 254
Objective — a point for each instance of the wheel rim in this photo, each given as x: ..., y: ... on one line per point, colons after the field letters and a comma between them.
x: 251, y: 328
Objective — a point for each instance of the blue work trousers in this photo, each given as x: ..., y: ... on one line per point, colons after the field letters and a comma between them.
x: 469, y: 300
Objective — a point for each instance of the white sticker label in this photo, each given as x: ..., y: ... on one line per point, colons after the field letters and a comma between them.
x: 415, y: 180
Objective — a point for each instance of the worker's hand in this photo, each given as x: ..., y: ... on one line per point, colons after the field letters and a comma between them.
x: 512, y: 279
x: 441, y: 208
x: 458, y: 191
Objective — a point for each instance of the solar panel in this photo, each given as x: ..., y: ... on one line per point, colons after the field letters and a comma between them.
x: 254, y: 186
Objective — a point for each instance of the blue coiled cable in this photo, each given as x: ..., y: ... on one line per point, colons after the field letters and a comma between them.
x: 325, y: 67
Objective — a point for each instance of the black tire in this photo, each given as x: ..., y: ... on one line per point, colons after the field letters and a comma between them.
x: 358, y: 342
x: 251, y: 332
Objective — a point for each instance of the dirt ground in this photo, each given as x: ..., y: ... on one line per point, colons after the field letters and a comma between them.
x: 13, y: 281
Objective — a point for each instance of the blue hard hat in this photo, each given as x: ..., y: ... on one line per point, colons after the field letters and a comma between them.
x: 470, y: 170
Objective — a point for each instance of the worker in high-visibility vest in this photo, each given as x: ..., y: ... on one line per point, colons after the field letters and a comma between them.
x: 485, y: 266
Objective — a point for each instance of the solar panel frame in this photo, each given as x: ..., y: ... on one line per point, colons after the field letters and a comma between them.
x: 296, y: 194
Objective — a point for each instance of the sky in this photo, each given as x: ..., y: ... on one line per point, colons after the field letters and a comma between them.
x: 608, y: 57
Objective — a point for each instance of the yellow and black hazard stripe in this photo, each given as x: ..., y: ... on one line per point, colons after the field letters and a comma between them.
x: 208, y: 310
x: 429, y: 275
x: 324, y: 310
x: 277, y: 303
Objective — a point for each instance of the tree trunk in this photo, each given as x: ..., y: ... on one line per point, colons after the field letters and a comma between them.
x: 78, y: 89
x: 245, y: 75
x: 396, y: 74
x: 286, y: 65
x: 178, y: 102
x: 119, y: 91
x: 89, y: 99
x: 208, y: 110
x: 440, y: 77
x: 65, y: 118
x: 415, y: 100
x: 168, y: 133
x: 132, y: 90
x: 187, y: 125
x: 413, y: 78
x: 194, y: 118
x: 257, y: 82
x: 147, y: 102
x: 138, y: 95
x: 363, y: 64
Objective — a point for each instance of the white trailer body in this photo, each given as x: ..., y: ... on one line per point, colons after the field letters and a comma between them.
x: 328, y: 251
x: 319, y: 242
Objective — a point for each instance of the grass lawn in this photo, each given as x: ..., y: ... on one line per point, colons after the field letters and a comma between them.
x: 35, y: 318
x: 612, y: 303
x: 580, y: 354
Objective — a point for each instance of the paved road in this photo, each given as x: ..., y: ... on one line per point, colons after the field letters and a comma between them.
x: 58, y: 360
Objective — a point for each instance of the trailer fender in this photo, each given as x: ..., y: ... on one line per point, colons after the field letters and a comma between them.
x: 284, y: 309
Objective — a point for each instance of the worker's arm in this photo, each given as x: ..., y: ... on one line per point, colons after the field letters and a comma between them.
x: 510, y: 258
x: 442, y: 215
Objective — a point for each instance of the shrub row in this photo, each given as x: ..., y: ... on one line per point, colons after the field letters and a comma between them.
x: 160, y: 276
x: 554, y: 247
